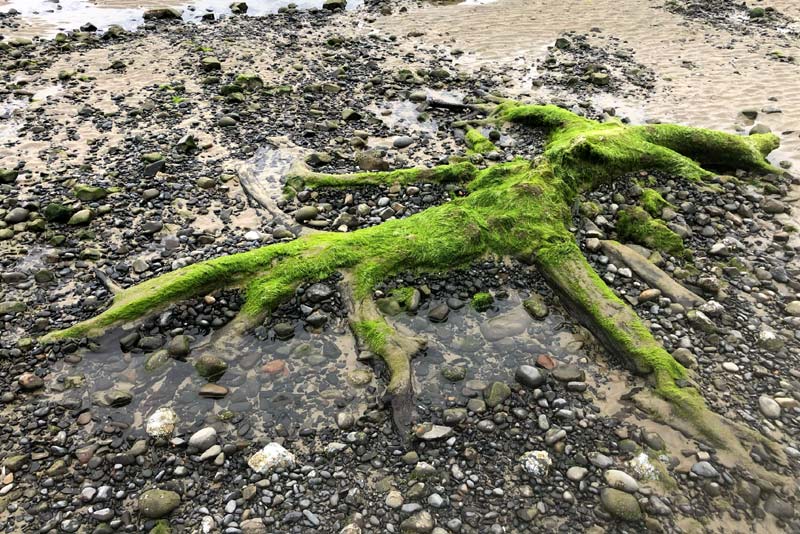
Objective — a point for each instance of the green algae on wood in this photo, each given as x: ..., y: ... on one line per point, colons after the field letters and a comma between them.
x: 637, y: 226
x: 518, y: 208
x: 478, y: 143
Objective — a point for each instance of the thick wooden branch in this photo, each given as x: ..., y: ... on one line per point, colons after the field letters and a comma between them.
x: 711, y: 147
x: 394, y: 347
x: 301, y: 176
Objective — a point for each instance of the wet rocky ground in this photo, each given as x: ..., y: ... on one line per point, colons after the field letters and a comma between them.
x: 738, y: 17
x: 123, y: 154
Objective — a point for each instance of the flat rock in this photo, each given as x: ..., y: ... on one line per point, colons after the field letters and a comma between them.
x: 506, y: 325
x: 568, y: 373
x: 430, y: 432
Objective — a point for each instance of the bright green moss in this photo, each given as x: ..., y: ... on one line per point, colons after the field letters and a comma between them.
x: 519, y: 208
x: 249, y: 81
x: 404, y: 295
x: 373, y: 334
x: 477, y: 143
x: 590, y: 209
x: 482, y: 301
x: 635, y: 225
x: 652, y: 202
x: 161, y: 527
x: 457, y: 172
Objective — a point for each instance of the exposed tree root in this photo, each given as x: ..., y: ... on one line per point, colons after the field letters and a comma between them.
x: 518, y: 208
x: 396, y: 348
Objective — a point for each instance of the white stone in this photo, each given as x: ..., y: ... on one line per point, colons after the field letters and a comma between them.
x: 621, y: 480
x: 252, y: 235
x: 272, y: 456
x: 207, y: 524
x: 730, y: 367
x: 161, y: 423
x: 577, y: 473
x: 712, y: 308
x: 643, y: 468
x: 203, y: 438
x: 769, y: 407
x: 394, y: 499
x: 536, y: 463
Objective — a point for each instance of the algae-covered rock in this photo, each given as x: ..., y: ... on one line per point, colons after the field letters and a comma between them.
x: 210, y: 367
x: 8, y: 176
x: 454, y: 373
x: 482, y: 301
x: 156, y: 503
x: 56, y: 212
x: 89, y: 193
x: 496, y: 393
x: 536, y: 306
x: 620, y: 504
x: 156, y: 361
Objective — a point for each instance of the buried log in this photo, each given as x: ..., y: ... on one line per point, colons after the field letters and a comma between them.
x: 517, y: 209
x: 651, y: 274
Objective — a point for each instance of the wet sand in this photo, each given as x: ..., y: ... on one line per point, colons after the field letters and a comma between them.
x: 705, y: 75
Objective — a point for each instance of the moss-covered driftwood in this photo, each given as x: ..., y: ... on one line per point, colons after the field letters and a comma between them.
x: 519, y: 209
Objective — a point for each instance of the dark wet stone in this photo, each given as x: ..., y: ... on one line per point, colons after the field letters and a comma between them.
x: 210, y: 367
x: 439, y: 313
x: 283, y: 331
x: 529, y: 376
x: 128, y: 341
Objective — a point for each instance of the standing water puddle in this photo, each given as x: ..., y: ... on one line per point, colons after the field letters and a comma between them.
x: 9, y: 124
x: 304, y: 382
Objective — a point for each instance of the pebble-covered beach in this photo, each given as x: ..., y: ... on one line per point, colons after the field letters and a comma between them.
x: 131, y: 149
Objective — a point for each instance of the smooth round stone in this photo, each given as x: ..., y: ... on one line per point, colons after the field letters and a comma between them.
x: 769, y: 407
x: 577, y: 473
x: 402, y: 141
x: 529, y: 376
x: 620, y: 504
x: 621, y: 480
x: 203, y: 438
x: 306, y: 213
x: 730, y: 367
